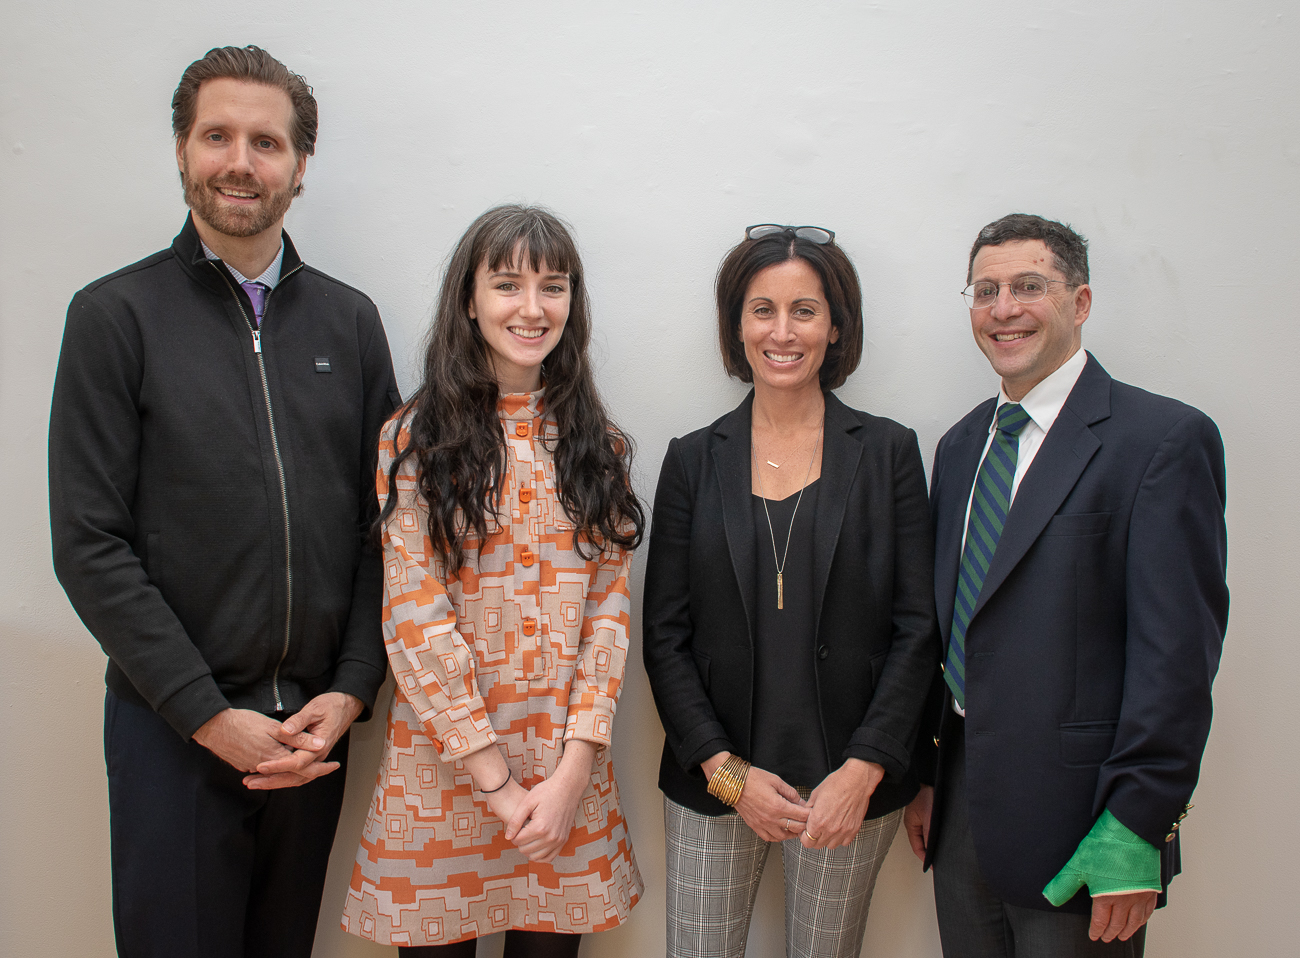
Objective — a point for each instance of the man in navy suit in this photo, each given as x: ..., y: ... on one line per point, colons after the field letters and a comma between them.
x: 1079, y: 579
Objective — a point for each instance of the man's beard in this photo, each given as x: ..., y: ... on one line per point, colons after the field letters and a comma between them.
x: 201, y: 197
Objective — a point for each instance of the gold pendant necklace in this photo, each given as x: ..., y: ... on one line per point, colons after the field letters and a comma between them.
x: 789, y: 456
x: 780, y: 561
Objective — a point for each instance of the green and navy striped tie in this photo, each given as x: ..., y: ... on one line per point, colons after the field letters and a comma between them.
x: 988, y: 514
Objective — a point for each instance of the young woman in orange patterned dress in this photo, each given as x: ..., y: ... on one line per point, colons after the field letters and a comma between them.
x: 507, y: 522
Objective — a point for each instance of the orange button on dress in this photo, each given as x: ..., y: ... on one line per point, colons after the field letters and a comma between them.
x: 503, y: 654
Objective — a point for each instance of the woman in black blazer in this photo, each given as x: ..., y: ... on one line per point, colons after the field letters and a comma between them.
x: 789, y: 628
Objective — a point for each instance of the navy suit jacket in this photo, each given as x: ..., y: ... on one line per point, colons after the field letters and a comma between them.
x: 1096, y: 635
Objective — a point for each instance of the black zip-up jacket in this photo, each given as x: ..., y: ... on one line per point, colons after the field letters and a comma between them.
x: 211, y: 484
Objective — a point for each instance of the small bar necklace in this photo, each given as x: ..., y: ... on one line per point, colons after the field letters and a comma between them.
x: 780, y: 561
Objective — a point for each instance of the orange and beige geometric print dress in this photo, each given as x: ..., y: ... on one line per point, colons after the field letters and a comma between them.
x: 524, y: 648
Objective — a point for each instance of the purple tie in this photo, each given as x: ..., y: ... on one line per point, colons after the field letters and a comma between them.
x: 257, y: 293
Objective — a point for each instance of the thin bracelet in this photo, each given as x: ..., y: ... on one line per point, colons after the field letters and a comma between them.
x: 499, y: 787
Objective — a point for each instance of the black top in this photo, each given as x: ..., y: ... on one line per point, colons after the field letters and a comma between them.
x: 787, y: 738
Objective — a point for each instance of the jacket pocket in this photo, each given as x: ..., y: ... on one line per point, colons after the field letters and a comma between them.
x: 1078, y: 524
x: 1086, y: 743
x: 702, y: 664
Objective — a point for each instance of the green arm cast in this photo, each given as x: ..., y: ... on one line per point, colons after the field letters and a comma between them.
x: 1109, y: 860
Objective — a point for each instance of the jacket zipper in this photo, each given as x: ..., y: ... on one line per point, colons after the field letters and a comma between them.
x: 279, y: 466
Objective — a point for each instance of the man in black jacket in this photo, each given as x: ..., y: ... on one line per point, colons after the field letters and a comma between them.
x: 212, y: 443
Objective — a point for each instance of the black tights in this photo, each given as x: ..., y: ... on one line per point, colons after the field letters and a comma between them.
x: 519, y: 944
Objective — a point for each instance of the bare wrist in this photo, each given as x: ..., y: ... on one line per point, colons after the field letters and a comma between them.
x: 211, y: 725
x: 354, y: 706
x: 713, y: 762
x: 502, y: 802
x: 496, y: 788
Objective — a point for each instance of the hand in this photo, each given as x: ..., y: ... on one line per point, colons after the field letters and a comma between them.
x: 543, y: 820
x: 1120, y: 916
x: 839, y: 804
x: 243, y: 738
x: 489, y: 769
x: 770, y: 806
x: 916, y: 820
x: 312, y: 732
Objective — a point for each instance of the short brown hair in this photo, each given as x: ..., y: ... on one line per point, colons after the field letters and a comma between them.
x: 256, y: 66
x: 839, y: 283
x: 1069, y: 249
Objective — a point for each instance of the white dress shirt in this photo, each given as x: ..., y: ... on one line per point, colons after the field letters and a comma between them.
x: 1043, y: 403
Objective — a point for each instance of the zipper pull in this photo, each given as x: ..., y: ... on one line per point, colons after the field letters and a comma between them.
x: 257, y: 341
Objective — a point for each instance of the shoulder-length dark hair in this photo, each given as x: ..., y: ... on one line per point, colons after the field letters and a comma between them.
x: 839, y: 282
x: 456, y: 437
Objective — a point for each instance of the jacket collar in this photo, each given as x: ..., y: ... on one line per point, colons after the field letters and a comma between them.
x: 841, y: 455
x: 189, y: 251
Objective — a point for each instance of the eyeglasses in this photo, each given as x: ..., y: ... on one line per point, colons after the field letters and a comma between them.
x: 813, y: 234
x: 1026, y: 289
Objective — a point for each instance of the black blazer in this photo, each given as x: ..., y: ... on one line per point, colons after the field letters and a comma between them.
x: 1096, y: 636
x: 876, y: 641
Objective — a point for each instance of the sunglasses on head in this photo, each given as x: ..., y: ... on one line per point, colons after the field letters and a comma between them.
x: 813, y: 234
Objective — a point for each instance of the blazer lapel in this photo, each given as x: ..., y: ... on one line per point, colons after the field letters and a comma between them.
x: 1065, y: 453
x: 960, y: 462
x: 731, y: 461
x: 841, y: 453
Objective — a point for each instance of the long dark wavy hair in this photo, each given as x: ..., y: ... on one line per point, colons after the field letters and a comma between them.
x: 456, y: 437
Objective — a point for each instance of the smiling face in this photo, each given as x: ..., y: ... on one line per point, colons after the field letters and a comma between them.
x: 521, y: 313
x: 1026, y: 343
x: 238, y: 165
x: 785, y: 324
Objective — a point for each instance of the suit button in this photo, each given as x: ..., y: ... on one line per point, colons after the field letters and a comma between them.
x: 521, y: 429
x: 525, y: 495
x: 822, y: 652
x: 530, y: 626
x: 528, y: 557
x: 1169, y: 837
x: 936, y: 741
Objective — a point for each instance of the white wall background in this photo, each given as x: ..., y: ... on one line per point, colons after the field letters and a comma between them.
x: 1168, y: 134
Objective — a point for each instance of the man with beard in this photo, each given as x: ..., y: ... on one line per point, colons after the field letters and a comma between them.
x: 212, y: 443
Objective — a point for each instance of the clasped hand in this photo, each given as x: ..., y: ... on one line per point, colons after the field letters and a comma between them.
x: 839, y: 804
x: 281, y: 754
x: 771, y: 807
x: 831, y: 816
x: 540, y: 819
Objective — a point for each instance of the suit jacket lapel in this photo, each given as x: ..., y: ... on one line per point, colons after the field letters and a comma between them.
x: 731, y: 460
x: 841, y: 453
x: 1065, y: 453
x: 960, y: 462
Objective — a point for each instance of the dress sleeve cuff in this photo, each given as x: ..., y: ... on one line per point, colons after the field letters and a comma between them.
x: 593, y: 723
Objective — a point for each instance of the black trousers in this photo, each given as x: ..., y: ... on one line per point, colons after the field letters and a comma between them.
x: 975, y: 923
x: 203, y: 866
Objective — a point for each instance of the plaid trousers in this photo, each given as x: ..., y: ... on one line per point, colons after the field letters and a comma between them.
x: 715, y: 864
